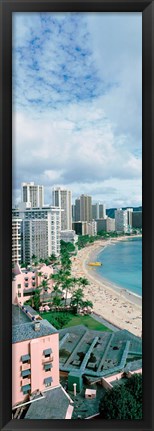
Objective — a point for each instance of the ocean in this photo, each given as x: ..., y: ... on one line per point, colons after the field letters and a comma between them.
x: 122, y: 264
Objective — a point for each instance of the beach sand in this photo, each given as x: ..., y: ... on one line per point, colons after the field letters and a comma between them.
x: 115, y: 304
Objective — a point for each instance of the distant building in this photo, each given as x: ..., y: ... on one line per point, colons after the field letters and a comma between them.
x: 85, y: 208
x: 32, y: 194
x: 129, y: 215
x: 77, y: 210
x: 69, y: 236
x: 108, y: 225
x: 73, y: 212
x: 62, y: 198
x: 92, y: 228
x: 95, y: 211
x: 137, y: 219
x: 121, y: 220
x: 81, y: 227
x: 40, y: 232
x: 102, y: 211
x: 16, y: 240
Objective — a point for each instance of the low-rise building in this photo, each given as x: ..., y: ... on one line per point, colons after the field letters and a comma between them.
x: 35, y: 355
x: 26, y: 281
x: 69, y: 236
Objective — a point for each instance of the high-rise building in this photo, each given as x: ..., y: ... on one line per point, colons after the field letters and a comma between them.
x: 81, y: 227
x: 62, y: 198
x: 95, y: 211
x: 32, y: 194
x: 16, y: 240
x: 107, y: 224
x: 102, y: 211
x: 121, y: 220
x: 137, y: 219
x: 77, y: 209
x: 40, y: 232
x: 92, y: 228
x: 129, y: 215
x: 85, y: 208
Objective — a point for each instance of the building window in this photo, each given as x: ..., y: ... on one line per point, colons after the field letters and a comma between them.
x: 47, y: 353
x: 19, y: 286
x: 47, y: 367
x: 19, y: 295
x: 48, y: 381
x: 25, y: 373
x: 26, y: 389
x: 25, y: 359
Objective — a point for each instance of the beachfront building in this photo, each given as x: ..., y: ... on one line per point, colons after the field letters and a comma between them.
x: 121, y: 220
x: 107, y: 225
x: 92, y: 228
x: 80, y: 227
x: 69, y: 236
x: 40, y: 232
x: 32, y: 194
x: 16, y: 240
x: 27, y: 280
x: 62, y: 198
x: 129, y: 215
x: 85, y: 208
x: 137, y: 219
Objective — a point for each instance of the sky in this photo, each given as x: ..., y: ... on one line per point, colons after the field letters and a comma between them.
x: 77, y: 104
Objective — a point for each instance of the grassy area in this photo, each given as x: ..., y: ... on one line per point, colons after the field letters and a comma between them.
x: 88, y: 321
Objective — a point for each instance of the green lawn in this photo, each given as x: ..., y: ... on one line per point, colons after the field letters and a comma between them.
x: 88, y: 321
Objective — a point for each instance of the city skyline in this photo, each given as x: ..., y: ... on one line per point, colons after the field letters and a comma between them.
x: 77, y: 104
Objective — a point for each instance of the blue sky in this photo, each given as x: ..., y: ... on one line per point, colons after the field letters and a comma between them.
x: 77, y: 97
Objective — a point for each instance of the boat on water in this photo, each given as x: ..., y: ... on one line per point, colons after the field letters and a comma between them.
x: 95, y: 264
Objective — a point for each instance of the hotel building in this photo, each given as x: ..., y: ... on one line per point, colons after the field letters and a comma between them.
x: 40, y: 232
x: 121, y: 220
x: 35, y: 354
x: 32, y: 194
x: 16, y: 240
x: 85, y: 208
x: 62, y: 198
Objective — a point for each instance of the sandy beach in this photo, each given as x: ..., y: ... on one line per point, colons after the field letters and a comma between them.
x: 113, y: 303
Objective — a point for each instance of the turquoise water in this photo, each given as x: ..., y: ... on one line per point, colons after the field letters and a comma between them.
x: 122, y: 264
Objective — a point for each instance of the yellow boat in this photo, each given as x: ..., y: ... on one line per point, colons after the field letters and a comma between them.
x: 95, y: 264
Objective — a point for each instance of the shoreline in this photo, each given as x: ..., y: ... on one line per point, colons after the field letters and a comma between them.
x: 115, y: 304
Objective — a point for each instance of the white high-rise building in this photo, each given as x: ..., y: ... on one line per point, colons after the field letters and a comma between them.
x: 16, y: 240
x: 121, y: 220
x: 40, y: 232
x: 32, y: 194
x: 63, y: 199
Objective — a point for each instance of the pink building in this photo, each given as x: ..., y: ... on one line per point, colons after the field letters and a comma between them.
x: 35, y: 355
x: 26, y: 281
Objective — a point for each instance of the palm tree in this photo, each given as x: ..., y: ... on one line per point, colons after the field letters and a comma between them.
x: 82, y: 281
x: 77, y: 299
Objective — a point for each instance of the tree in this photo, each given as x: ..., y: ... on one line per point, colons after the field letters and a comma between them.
x: 77, y: 298
x: 123, y: 401
x: 36, y: 299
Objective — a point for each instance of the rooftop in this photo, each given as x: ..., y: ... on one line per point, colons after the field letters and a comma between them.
x: 48, y: 407
x: 24, y: 329
x: 95, y: 353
